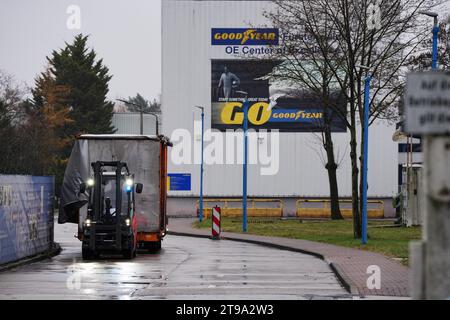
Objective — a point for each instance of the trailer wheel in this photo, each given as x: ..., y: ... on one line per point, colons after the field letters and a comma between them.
x: 154, y: 247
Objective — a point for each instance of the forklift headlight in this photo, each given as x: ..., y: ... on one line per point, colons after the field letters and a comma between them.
x: 129, y: 182
x: 87, y: 222
x: 127, y: 222
x: 90, y: 182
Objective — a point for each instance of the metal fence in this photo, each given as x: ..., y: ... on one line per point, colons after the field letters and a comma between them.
x: 26, y: 216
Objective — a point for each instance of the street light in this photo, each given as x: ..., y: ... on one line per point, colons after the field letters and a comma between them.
x: 142, y: 117
x: 367, y: 81
x: 435, y: 36
x: 201, y: 164
x: 244, y: 175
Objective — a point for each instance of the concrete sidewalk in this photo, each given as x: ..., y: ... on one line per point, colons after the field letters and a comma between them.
x: 350, y: 265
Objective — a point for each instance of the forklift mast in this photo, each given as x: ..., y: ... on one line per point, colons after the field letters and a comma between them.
x: 98, y: 197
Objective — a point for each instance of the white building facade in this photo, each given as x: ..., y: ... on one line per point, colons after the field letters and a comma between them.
x: 190, y: 47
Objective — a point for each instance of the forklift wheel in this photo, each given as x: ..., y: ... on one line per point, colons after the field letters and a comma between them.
x: 129, y: 254
x: 87, y: 254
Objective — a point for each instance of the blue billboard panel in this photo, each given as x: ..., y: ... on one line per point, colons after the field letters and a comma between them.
x: 179, y: 182
x: 244, y: 36
x: 26, y: 216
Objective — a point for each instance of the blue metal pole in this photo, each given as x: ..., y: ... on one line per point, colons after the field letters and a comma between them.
x: 435, y: 47
x: 201, y: 169
x: 244, y: 177
x: 366, y: 156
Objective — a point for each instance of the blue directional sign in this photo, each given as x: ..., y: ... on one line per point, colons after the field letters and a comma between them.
x: 179, y: 182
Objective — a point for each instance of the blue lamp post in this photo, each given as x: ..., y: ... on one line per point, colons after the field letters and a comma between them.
x: 367, y: 81
x: 200, y: 216
x: 244, y: 181
x: 244, y: 174
x: 435, y: 46
x: 435, y: 37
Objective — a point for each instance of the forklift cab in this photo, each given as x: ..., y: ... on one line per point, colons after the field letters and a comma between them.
x: 111, y: 223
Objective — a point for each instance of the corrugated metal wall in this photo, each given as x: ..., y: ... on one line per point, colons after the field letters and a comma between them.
x: 26, y: 216
x: 186, y: 82
x: 130, y: 123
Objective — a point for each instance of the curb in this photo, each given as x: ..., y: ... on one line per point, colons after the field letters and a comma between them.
x: 343, y: 279
x: 55, y: 250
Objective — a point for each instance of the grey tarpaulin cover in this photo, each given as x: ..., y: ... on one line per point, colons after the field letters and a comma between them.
x: 141, y: 153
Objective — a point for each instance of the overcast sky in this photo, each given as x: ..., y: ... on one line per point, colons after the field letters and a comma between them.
x: 126, y: 34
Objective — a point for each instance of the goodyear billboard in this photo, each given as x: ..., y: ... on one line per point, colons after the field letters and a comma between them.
x: 274, y: 104
x: 244, y: 36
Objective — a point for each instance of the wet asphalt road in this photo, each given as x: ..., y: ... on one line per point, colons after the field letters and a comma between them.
x: 186, y: 268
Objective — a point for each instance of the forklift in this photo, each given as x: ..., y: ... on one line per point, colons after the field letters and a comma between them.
x: 111, y: 223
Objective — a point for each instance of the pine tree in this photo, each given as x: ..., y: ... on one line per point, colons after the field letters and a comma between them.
x: 77, y: 67
x: 144, y: 105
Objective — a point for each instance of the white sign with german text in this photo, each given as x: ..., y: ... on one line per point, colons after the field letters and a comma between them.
x: 427, y: 103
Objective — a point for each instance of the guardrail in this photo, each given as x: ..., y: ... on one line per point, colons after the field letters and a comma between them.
x: 255, y: 207
x: 320, y: 208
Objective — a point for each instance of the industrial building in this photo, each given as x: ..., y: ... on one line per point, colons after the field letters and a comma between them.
x: 200, y: 39
x: 134, y: 123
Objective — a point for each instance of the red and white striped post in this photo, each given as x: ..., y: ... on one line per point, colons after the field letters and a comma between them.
x: 215, y: 223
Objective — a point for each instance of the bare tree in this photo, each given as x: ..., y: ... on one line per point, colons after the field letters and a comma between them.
x: 31, y: 136
x: 325, y: 41
x: 306, y: 74
x: 11, y: 114
x: 422, y: 61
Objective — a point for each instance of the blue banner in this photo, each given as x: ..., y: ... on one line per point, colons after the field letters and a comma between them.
x: 26, y: 216
x: 244, y: 36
